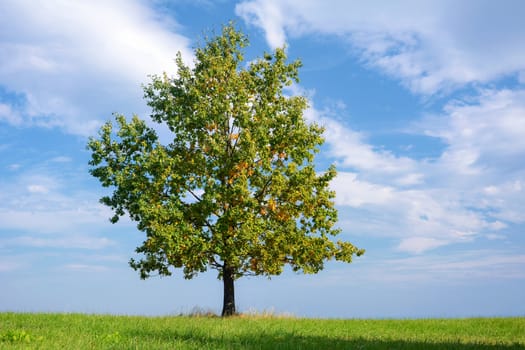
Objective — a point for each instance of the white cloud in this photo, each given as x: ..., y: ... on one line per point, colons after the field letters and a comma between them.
x: 77, y: 62
x: 419, y: 219
x: 43, y: 199
x: 485, y: 152
x: 37, y: 189
x: 40, y: 208
x: 61, y: 159
x: 8, y: 115
x: 13, y: 167
x: 420, y: 244
x: 57, y: 241
x: 355, y: 193
x: 494, y: 237
x: 35, y: 183
x: 471, y: 190
x: 521, y: 77
x: 267, y: 15
x: 431, y: 45
x: 485, y: 132
x: 410, y: 179
x: 350, y: 147
x: 463, y: 266
x: 41, y: 219
x: 86, y: 268
x: 506, y: 201
x: 455, y: 267
x: 8, y: 266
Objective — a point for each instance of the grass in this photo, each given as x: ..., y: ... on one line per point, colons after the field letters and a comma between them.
x: 79, y: 331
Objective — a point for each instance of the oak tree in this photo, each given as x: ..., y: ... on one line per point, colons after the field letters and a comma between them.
x: 236, y: 190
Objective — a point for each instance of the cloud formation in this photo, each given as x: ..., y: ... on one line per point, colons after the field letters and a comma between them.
x: 71, y: 64
x: 79, y: 61
x: 430, y: 45
x: 474, y: 188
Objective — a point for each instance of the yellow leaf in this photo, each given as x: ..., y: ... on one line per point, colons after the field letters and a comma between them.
x: 253, y: 264
x: 271, y: 204
x: 283, y: 215
x: 211, y: 127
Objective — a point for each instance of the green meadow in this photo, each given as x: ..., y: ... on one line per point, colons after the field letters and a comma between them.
x: 80, y: 331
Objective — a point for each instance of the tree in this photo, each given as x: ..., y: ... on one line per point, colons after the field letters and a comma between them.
x: 236, y: 190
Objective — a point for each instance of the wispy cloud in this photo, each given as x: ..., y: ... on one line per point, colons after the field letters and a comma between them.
x: 71, y: 64
x: 9, y: 266
x: 455, y: 268
x: 481, y: 264
x: 462, y: 195
x: 474, y: 188
x: 61, y: 159
x: 8, y: 115
x: 429, y: 45
x: 420, y: 244
x: 419, y: 220
x: 353, y: 192
x: 486, y: 131
x: 47, y: 197
x: 86, y: 268
x: 351, y: 148
x: 56, y: 213
x: 38, y: 189
x: 72, y: 241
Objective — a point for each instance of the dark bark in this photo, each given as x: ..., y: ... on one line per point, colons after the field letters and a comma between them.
x: 228, y: 278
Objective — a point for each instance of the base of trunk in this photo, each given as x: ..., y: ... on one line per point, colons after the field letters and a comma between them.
x: 228, y: 305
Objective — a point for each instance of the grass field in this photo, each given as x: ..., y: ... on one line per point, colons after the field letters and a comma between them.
x: 78, y: 331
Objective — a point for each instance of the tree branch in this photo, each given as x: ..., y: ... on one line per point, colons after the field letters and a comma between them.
x: 263, y: 190
x: 194, y: 195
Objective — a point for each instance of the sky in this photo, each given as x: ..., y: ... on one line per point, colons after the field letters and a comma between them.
x: 424, y: 108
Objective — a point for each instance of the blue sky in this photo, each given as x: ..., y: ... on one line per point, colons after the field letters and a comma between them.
x: 424, y: 108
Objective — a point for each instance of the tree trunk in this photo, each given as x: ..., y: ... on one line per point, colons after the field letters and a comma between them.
x: 228, y: 278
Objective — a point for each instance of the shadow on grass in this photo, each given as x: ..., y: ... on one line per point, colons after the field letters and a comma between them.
x: 293, y: 341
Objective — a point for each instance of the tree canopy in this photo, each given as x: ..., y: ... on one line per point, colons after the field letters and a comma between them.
x: 236, y: 189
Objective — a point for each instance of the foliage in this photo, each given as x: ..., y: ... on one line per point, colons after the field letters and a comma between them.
x: 236, y: 190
